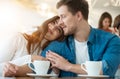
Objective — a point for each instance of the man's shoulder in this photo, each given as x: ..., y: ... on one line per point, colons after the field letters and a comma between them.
x: 106, y: 36
x: 103, y: 33
x: 63, y: 42
x: 54, y: 43
x: 55, y: 46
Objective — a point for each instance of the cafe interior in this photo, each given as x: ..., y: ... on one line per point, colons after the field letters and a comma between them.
x: 25, y: 15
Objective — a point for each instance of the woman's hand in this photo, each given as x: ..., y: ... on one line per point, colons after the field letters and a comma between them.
x: 10, y: 69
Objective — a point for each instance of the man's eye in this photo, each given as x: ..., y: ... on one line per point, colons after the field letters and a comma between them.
x: 63, y: 16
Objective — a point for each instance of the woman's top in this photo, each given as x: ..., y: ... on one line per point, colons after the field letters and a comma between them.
x: 14, y: 46
x: 13, y: 49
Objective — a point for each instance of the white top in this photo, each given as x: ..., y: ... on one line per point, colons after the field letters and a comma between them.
x: 81, y: 51
x: 12, y: 49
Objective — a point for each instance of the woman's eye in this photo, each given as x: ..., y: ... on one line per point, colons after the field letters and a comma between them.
x: 53, y: 22
x: 56, y: 22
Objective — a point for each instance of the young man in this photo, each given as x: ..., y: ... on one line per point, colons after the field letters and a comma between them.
x: 81, y: 44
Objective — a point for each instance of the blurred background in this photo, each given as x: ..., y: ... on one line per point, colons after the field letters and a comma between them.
x: 25, y: 15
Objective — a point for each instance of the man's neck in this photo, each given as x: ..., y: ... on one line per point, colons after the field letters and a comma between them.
x: 82, y: 32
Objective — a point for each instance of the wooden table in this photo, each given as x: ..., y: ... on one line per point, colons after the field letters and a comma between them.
x: 50, y: 78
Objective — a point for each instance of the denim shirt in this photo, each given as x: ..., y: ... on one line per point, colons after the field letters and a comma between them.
x: 102, y: 46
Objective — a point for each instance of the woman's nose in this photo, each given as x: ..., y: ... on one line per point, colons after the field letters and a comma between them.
x: 50, y: 27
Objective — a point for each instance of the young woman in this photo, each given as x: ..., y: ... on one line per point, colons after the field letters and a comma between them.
x: 31, y: 45
x: 105, y: 22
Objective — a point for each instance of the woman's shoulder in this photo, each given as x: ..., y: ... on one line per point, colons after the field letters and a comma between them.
x: 19, y: 36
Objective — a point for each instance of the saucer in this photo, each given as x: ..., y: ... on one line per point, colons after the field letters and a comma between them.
x: 41, y: 75
x: 91, y: 76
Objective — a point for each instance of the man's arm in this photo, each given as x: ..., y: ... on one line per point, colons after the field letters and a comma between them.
x: 111, y: 57
x: 76, y: 68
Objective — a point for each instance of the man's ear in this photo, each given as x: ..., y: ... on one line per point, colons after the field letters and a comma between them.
x: 79, y: 15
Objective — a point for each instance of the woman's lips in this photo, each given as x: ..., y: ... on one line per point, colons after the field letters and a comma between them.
x: 50, y: 31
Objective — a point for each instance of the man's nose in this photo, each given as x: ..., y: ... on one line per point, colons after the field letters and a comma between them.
x: 60, y: 23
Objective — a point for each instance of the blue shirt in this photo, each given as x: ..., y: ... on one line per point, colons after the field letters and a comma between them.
x: 102, y: 46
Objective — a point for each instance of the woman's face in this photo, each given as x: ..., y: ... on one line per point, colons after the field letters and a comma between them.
x: 53, y: 31
x: 106, y: 23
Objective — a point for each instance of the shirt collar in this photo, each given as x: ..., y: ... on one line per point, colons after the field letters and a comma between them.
x: 91, y: 37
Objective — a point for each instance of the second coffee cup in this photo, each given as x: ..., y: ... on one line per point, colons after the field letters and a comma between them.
x: 40, y: 67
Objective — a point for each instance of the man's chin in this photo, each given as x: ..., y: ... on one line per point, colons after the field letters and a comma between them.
x: 66, y: 34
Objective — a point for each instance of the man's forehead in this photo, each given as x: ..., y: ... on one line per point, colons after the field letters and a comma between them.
x: 62, y: 10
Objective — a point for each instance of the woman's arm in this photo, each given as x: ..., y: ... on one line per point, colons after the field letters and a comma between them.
x: 21, y: 60
x: 14, y: 70
x: 37, y: 57
x: 26, y: 59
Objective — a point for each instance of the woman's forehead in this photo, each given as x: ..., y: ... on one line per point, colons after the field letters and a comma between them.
x: 55, y: 21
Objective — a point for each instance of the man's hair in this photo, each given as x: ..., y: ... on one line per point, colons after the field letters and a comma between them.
x: 76, y: 5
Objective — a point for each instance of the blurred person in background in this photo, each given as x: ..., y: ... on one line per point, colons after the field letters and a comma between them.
x: 105, y: 22
x: 116, y: 24
x: 24, y: 48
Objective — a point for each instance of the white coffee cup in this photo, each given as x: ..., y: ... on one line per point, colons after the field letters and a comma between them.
x: 40, y: 67
x: 92, y: 68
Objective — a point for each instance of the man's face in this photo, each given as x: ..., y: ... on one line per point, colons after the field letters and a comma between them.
x: 67, y: 20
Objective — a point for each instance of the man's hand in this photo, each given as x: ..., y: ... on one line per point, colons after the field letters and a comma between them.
x: 58, y: 61
x: 10, y: 69
x: 56, y: 70
x: 63, y: 64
